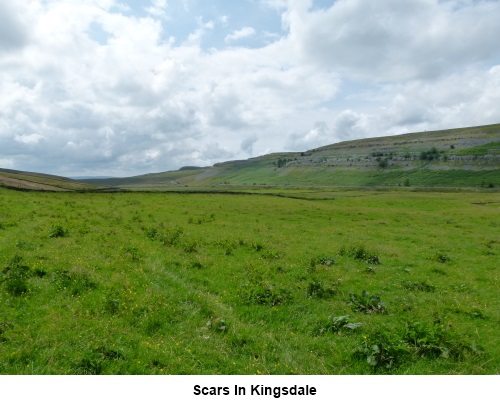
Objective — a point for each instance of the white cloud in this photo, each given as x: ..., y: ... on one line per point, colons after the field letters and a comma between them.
x: 158, y: 8
x: 248, y: 143
x: 31, y: 139
x: 245, y: 32
x: 395, y: 40
x: 13, y: 33
x: 134, y: 101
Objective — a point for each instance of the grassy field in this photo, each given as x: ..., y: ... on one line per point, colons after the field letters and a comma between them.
x: 343, y: 282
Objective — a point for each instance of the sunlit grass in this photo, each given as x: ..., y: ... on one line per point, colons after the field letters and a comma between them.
x: 234, y: 284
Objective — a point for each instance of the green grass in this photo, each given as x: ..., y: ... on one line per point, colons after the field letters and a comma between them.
x: 491, y: 148
x: 399, y: 282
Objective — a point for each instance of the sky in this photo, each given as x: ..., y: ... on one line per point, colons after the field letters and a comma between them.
x: 127, y: 87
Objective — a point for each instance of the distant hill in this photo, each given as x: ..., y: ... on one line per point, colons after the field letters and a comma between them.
x: 42, y: 182
x: 462, y: 157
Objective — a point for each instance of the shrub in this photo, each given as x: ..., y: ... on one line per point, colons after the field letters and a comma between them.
x: 367, y: 303
x: 430, y: 154
x: 383, y: 163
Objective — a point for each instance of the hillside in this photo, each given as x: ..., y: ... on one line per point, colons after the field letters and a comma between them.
x: 463, y: 157
x: 42, y: 182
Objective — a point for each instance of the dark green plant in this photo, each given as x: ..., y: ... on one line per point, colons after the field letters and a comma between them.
x: 170, y: 237
x: 271, y: 255
x: 382, y: 351
x: 430, y: 154
x: 383, y: 163
x: 360, y: 253
x: 132, y: 253
x: 367, y: 303
x: 15, y: 275
x: 58, y: 231
x: 418, y: 286
x: 338, y: 325
x: 88, y: 366
x: 257, y: 246
x: 190, y: 247
x: 326, y: 260
x: 435, y: 340
x: 316, y: 289
x: 218, y: 325
x: 441, y: 257
x: 112, y: 305
x: 75, y: 282
x: 262, y: 294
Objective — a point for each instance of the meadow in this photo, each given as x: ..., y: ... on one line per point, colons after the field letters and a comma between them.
x: 350, y: 282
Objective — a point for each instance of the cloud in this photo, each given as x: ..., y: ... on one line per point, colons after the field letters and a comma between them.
x: 245, y: 32
x: 318, y: 135
x: 158, y: 8
x: 394, y: 40
x: 248, y: 143
x: 31, y: 139
x: 13, y: 33
x: 98, y: 89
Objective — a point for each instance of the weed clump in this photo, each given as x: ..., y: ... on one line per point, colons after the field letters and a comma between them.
x: 58, y: 231
x: 418, y: 286
x: 95, y: 361
x: 4, y: 327
x: 360, y: 253
x: 271, y: 255
x: 262, y: 294
x: 325, y: 260
x: 382, y: 351
x: 367, y: 303
x: 435, y: 340
x: 316, y: 289
x: 218, y: 325
x: 14, y: 276
x: 441, y: 257
x: 169, y: 237
x: 75, y: 282
x: 337, y: 325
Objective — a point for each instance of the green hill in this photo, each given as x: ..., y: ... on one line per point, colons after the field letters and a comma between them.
x: 463, y: 157
x: 42, y: 182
